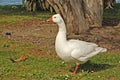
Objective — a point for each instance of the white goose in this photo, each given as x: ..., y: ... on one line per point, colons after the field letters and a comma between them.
x: 73, y: 50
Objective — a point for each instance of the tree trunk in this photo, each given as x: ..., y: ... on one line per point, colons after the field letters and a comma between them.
x: 31, y: 5
x: 28, y: 5
x: 23, y: 4
x: 34, y: 5
x: 45, y: 5
x: 79, y: 15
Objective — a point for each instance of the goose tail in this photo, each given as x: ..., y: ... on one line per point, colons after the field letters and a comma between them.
x: 102, y: 49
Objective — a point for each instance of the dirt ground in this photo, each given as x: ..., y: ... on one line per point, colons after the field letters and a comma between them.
x: 43, y: 34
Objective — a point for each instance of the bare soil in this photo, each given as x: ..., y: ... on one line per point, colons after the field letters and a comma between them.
x: 43, y: 34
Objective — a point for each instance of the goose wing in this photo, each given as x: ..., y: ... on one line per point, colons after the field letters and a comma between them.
x: 83, y: 50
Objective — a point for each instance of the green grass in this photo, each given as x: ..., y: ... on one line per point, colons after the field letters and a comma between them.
x: 112, y: 13
x: 105, y: 66
x: 12, y: 16
x: 50, y: 67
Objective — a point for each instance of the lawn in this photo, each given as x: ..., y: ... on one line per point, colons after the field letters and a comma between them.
x: 50, y: 67
x: 112, y: 13
x: 44, y: 64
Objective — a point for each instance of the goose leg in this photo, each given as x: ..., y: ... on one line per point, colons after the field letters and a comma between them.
x: 76, y: 69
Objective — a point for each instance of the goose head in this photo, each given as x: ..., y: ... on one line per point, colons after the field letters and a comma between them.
x: 56, y: 19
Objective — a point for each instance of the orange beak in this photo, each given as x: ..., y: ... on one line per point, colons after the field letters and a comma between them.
x: 50, y: 20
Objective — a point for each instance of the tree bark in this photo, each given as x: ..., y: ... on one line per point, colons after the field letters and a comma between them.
x: 23, y: 4
x: 34, y: 5
x: 31, y: 5
x: 28, y: 5
x: 79, y: 15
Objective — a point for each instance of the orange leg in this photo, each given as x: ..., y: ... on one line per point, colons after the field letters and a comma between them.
x: 76, y: 69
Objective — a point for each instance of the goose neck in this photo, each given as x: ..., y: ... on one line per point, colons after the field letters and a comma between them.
x: 61, y: 33
x: 62, y: 27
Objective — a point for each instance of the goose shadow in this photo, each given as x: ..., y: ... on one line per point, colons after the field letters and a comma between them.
x: 92, y: 67
x: 110, y: 22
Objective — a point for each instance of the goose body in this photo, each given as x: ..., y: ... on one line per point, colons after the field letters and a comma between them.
x: 73, y: 50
